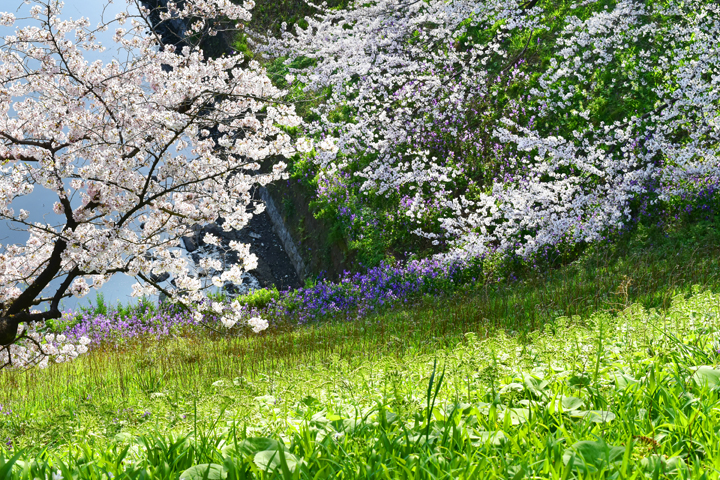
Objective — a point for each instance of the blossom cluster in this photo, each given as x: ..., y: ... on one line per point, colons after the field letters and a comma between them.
x: 36, y: 348
x: 412, y: 75
x: 126, y: 149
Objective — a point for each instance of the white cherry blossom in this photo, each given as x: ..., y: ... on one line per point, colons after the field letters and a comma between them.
x: 112, y: 141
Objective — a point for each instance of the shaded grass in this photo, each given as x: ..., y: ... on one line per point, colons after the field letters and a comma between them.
x: 439, y: 389
x: 112, y: 386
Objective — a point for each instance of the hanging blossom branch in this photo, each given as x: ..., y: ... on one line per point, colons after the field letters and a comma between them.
x: 575, y: 187
x: 406, y: 70
x: 111, y: 141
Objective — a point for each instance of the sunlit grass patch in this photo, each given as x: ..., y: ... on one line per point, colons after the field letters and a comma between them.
x: 629, y: 392
x: 602, y: 355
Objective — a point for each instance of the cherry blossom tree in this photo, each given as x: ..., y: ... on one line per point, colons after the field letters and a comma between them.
x: 125, y: 149
x: 401, y: 71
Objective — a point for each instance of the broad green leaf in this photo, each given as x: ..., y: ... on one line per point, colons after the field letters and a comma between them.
x: 320, y: 417
x: 665, y: 465
x: 390, y: 417
x: 512, y: 387
x: 530, y: 403
x: 709, y: 376
x: 251, y: 446
x: 494, y: 438
x: 594, y: 416
x: 205, y: 471
x: 519, y: 415
x: 578, y: 381
x: 591, y: 456
x: 536, y: 385
x: 309, y: 401
x: 270, y: 461
x: 567, y: 403
x: 123, y: 437
x: 623, y: 381
x: 266, y: 399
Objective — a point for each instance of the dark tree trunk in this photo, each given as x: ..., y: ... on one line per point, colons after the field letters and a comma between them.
x: 8, y: 330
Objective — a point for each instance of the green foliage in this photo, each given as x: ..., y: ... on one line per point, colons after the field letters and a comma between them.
x: 259, y: 298
x: 626, y: 394
x: 607, y: 366
x: 240, y: 45
x: 268, y: 15
x: 62, y: 324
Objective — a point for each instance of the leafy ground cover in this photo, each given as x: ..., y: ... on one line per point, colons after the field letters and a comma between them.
x: 601, y: 369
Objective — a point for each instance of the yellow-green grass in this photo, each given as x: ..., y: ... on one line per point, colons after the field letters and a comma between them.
x: 574, y: 319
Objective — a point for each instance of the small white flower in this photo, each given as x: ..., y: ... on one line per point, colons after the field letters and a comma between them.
x: 304, y: 145
x: 211, y: 239
x: 329, y: 144
x: 229, y: 321
x: 7, y: 19
x: 258, y: 324
x: 79, y: 287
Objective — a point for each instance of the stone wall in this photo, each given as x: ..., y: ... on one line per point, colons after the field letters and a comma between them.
x: 284, y: 235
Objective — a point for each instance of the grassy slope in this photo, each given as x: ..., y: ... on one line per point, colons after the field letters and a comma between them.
x: 484, y: 339
x: 352, y: 398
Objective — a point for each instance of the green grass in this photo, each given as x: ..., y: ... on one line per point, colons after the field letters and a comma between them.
x: 598, y: 358
x: 600, y: 364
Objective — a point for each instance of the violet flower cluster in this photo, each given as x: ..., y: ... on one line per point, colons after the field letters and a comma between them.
x: 143, y: 322
x: 355, y: 296
x: 358, y: 295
